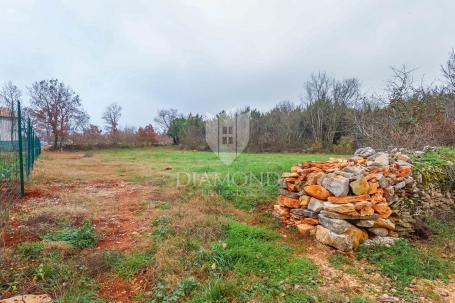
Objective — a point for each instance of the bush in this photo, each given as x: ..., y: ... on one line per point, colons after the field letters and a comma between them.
x: 82, y: 237
x: 315, y: 147
x: 162, y: 229
x: 184, y: 288
x: 345, y: 146
x: 30, y: 249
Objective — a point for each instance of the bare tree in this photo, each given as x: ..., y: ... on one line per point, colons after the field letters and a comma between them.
x: 56, y: 108
x: 170, y: 123
x: 448, y: 71
x: 347, y: 91
x: 165, y: 119
x: 401, y: 86
x: 318, y: 87
x: 327, y: 107
x: 112, y: 117
x: 10, y: 94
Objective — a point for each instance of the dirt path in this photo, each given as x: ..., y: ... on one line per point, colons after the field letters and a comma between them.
x: 73, y: 188
x: 120, y: 226
x: 119, y: 210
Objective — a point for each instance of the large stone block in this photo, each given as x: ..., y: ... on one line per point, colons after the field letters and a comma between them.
x: 348, y: 199
x: 345, y: 217
x: 337, y: 185
x: 317, y: 192
x: 306, y: 229
x: 336, y: 225
x: 315, y: 205
x: 364, y: 152
x: 280, y: 211
x: 384, y: 223
x: 29, y: 299
x: 340, y: 242
x: 360, y: 186
x: 290, y: 194
x: 304, y: 213
x: 364, y: 208
x: 288, y: 202
x: 345, y: 209
x: 379, y: 231
x: 304, y: 200
x: 357, y: 235
x: 383, y: 210
x: 379, y: 159
x: 364, y: 223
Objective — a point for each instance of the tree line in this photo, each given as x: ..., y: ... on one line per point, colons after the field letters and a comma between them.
x: 58, y: 116
x: 334, y: 116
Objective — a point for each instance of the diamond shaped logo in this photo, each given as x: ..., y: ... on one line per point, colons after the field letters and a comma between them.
x: 227, y: 134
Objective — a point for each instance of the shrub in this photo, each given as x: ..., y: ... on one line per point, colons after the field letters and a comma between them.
x: 30, y: 249
x: 162, y: 229
x: 82, y: 237
x: 345, y: 146
x: 184, y: 288
x: 52, y: 271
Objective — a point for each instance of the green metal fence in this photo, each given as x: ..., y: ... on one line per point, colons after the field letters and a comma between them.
x: 19, y: 148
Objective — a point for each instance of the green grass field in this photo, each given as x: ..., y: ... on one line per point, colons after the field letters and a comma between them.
x: 251, y: 179
x: 198, y: 231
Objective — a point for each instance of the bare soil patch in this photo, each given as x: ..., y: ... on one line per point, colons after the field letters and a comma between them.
x: 116, y: 289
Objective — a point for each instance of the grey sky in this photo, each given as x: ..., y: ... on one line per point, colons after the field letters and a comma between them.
x: 204, y: 56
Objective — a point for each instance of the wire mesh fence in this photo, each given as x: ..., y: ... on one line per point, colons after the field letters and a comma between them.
x: 19, y: 148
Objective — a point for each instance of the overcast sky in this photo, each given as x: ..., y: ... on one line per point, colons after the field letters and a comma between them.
x: 205, y: 56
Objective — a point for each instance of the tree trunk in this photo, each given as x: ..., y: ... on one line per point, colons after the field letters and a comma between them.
x: 55, y: 146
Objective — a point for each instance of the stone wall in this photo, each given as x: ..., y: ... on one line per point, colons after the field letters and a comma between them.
x: 345, y: 202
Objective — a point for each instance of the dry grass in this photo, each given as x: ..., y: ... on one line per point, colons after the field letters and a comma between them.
x: 191, y: 225
x: 63, y: 248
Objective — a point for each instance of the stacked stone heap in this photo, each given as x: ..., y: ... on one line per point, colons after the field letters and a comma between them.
x: 344, y: 202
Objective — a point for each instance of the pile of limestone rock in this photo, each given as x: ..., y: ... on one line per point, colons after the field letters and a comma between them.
x: 345, y: 202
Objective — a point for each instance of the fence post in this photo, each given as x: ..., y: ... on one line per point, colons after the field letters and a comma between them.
x: 34, y: 148
x: 32, y: 145
x: 27, y: 161
x: 21, y: 156
x: 30, y: 138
